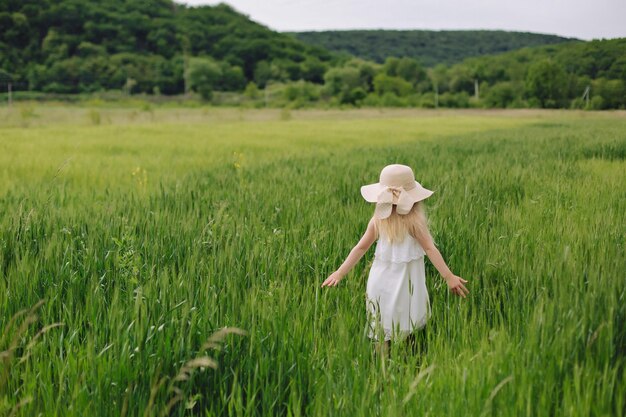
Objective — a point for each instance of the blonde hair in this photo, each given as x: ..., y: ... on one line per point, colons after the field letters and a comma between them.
x: 396, y: 226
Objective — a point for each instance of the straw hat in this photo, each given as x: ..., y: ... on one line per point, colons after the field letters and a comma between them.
x: 397, y: 186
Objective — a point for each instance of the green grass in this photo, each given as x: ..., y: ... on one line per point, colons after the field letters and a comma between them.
x: 145, y: 234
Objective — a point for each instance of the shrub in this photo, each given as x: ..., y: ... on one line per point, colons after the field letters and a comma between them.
x: 597, y: 103
x: 455, y: 100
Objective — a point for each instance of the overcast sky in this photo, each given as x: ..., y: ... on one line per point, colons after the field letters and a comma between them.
x: 583, y: 19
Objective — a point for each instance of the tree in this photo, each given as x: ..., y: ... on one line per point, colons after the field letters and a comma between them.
x: 461, y: 79
x: 613, y: 93
x: 262, y: 73
x: 439, y: 78
x: 406, y: 68
x: 367, y: 72
x: 384, y: 83
x: 203, y: 76
x: 500, y: 95
x: 546, y: 82
x: 312, y: 69
x: 53, y: 33
x: 338, y: 80
x: 232, y: 78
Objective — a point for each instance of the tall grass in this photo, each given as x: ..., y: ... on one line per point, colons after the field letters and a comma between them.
x: 145, y: 239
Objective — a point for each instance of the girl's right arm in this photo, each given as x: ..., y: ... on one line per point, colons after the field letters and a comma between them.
x: 355, y: 255
x: 455, y: 283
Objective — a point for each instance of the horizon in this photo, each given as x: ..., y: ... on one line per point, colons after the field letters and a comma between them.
x: 424, y: 15
x: 433, y: 30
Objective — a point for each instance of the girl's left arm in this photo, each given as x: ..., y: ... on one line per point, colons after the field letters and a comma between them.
x: 355, y: 255
x: 455, y: 283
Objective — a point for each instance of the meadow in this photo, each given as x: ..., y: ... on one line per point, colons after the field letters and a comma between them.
x: 131, y: 237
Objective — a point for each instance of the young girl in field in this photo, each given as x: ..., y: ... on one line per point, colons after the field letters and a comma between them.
x: 397, y: 299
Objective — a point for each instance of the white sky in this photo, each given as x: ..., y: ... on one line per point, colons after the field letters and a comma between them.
x: 583, y: 19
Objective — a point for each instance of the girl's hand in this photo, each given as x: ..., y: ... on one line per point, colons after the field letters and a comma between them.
x: 455, y: 284
x: 332, y: 280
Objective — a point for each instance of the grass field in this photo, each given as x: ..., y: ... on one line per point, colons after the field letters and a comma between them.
x: 145, y: 231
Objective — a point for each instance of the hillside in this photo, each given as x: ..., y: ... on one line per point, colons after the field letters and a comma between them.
x: 75, y: 46
x: 429, y: 47
x: 79, y: 46
x: 548, y: 76
x: 569, y: 75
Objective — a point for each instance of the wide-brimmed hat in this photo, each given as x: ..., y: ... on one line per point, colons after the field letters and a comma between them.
x: 397, y: 186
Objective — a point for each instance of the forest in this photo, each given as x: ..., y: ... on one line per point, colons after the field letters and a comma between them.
x: 161, y: 48
x: 430, y: 47
x: 73, y: 46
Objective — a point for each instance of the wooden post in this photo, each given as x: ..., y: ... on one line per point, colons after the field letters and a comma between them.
x: 9, y: 86
x: 436, y: 96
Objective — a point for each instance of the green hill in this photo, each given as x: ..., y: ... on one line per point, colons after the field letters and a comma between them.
x: 569, y: 75
x: 547, y: 76
x: 578, y: 74
x: 74, y: 46
x: 430, y: 47
x: 161, y: 47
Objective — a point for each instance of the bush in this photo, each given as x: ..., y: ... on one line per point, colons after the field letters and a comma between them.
x: 354, y: 96
x: 252, y: 91
x: 578, y: 103
x: 94, y: 117
x: 597, y: 103
x: 301, y: 91
x: 427, y: 100
x: 455, y: 100
x: 391, y: 100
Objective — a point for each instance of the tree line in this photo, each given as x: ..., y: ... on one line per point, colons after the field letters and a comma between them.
x: 430, y: 47
x: 164, y: 48
x: 81, y: 46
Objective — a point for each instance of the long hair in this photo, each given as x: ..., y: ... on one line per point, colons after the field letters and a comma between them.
x: 396, y: 226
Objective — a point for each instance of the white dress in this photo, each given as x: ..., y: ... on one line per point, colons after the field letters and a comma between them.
x: 397, y: 298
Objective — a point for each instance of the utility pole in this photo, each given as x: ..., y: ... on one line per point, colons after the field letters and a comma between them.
x: 586, y: 96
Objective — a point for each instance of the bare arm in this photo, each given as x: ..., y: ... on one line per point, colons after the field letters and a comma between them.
x: 455, y: 283
x: 355, y: 256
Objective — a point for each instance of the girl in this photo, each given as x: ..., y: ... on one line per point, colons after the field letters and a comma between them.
x: 397, y: 299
